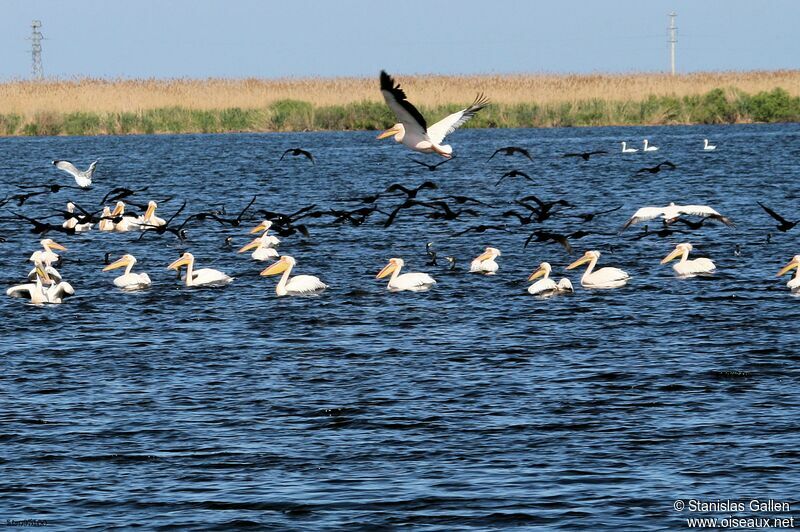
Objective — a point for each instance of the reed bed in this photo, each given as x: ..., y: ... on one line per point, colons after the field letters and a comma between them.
x: 99, y: 106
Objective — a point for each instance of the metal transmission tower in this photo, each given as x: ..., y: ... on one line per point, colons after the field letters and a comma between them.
x: 36, y: 49
x: 672, y: 40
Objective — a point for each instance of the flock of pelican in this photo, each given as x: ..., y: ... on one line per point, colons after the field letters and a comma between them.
x: 46, y: 285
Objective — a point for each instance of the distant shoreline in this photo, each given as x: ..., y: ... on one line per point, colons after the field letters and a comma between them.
x: 114, y: 107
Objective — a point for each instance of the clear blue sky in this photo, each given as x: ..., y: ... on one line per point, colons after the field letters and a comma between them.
x: 251, y: 38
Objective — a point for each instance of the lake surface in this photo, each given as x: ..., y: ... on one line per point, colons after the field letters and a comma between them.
x: 473, y: 405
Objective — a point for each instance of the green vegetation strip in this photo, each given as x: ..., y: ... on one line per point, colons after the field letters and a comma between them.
x: 716, y: 107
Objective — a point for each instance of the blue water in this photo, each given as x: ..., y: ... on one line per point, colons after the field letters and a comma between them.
x: 473, y: 405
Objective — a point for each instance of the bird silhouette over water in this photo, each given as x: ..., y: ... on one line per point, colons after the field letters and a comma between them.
x: 511, y: 150
x: 411, y: 193
x: 657, y: 168
x: 585, y: 155
x: 783, y: 224
x: 431, y: 167
x: 296, y: 152
x: 514, y: 173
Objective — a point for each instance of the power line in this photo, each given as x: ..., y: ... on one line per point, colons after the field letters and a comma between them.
x: 36, y: 49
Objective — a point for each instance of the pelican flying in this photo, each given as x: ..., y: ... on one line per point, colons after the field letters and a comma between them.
x: 295, y: 286
x: 414, y: 282
x: 602, y: 278
x: 671, y: 212
x: 794, y: 282
x: 201, y: 277
x: 83, y: 179
x: 128, y: 281
x: 485, y: 263
x: 412, y: 129
x: 545, y: 285
x: 688, y: 268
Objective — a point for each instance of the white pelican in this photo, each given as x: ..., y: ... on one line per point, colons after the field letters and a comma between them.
x: 412, y: 130
x: 268, y: 239
x: 626, y: 149
x: 707, y: 146
x: 794, y: 282
x: 688, y: 268
x: 105, y: 223
x: 39, y: 293
x: 47, y: 256
x: 671, y: 212
x: 84, y: 179
x: 72, y: 223
x: 149, y: 218
x: 414, y: 282
x: 296, y: 286
x: 602, y: 278
x: 52, y: 273
x: 546, y: 285
x: 263, y: 250
x: 485, y: 263
x: 648, y: 147
x: 201, y: 277
x: 128, y: 281
x: 126, y: 223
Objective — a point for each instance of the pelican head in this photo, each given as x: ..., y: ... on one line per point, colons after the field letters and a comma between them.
x: 70, y: 207
x: 543, y: 270
x: 185, y: 259
x: 587, y: 257
x: 263, y: 226
x: 254, y: 244
x: 119, y: 208
x: 43, y: 275
x: 677, y: 252
x: 49, y: 243
x: 280, y: 266
x: 794, y: 263
x: 121, y: 262
x: 394, y: 264
x: 151, y: 210
x: 489, y: 253
x: 397, y: 130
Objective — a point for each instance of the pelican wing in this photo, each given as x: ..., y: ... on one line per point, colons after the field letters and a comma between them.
x: 67, y: 167
x: 21, y: 290
x: 56, y: 293
x: 605, y: 275
x: 438, y: 131
x: 704, y: 210
x: 644, y: 214
x: 305, y: 284
x: 406, y: 113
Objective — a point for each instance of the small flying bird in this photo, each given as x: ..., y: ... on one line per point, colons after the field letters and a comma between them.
x: 585, y: 155
x: 233, y: 222
x: 120, y: 193
x: 54, y: 188
x: 461, y: 200
x: 295, y: 152
x: 540, y: 235
x: 82, y: 178
x: 672, y: 212
x: 783, y: 224
x: 515, y: 173
x: 589, y: 216
x: 412, y: 130
x: 482, y: 229
x: 446, y: 212
x: 511, y: 150
x: 657, y: 168
x: 410, y: 192
x: 431, y: 167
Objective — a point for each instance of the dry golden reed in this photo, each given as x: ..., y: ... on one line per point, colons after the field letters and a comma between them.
x: 27, y: 98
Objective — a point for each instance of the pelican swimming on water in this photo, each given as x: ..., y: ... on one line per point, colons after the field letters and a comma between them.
x: 414, y: 281
x: 485, y: 263
x: 267, y: 239
x: 602, y: 278
x: 105, y: 223
x: 648, y: 147
x: 545, y: 285
x: 149, y: 218
x: 52, y: 273
x: 47, y: 256
x: 412, y: 130
x: 39, y: 293
x: 672, y: 212
x: 72, y: 223
x: 685, y: 267
x: 83, y: 179
x: 293, y: 286
x: 126, y: 223
x: 707, y: 146
x: 626, y: 149
x: 128, y: 281
x: 263, y: 248
x: 794, y: 282
x: 201, y: 277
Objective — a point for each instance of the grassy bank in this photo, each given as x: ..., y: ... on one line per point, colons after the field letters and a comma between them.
x: 95, y: 107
